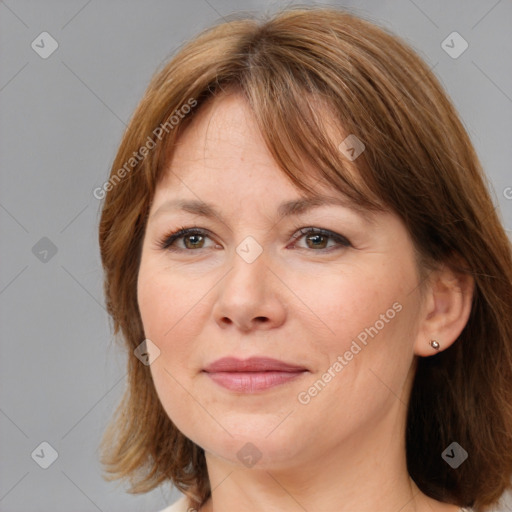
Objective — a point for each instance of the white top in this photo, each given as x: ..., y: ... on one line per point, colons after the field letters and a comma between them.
x: 181, y: 506
x: 178, y: 506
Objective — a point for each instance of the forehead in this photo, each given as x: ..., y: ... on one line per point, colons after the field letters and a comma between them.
x: 224, y: 133
x: 224, y: 140
x: 222, y: 158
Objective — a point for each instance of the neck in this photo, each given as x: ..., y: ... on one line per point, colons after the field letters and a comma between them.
x: 366, y: 473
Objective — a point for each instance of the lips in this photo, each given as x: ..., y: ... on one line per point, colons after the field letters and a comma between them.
x: 253, y: 364
x: 253, y: 374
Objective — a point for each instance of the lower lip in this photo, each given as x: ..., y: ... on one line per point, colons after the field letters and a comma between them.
x: 250, y: 382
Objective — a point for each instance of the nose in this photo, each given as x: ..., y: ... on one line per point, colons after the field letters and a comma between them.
x: 250, y: 296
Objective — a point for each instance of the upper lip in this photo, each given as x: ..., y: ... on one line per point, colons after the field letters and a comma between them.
x: 252, y: 364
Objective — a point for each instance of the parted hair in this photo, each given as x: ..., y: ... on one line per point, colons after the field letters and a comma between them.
x: 418, y: 162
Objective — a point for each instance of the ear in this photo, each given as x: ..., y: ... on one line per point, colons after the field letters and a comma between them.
x: 446, y: 308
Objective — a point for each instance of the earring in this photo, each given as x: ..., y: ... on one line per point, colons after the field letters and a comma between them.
x: 434, y: 344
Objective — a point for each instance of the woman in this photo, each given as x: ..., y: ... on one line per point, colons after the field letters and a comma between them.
x: 301, y: 253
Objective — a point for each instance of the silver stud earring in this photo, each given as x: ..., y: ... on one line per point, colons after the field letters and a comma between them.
x: 434, y: 344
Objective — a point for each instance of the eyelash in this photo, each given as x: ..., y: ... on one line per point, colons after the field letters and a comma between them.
x: 170, y: 238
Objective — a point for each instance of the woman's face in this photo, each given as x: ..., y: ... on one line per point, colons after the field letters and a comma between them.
x: 341, y: 308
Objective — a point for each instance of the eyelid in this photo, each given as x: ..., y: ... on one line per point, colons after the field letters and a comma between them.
x: 171, y: 237
x: 296, y: 234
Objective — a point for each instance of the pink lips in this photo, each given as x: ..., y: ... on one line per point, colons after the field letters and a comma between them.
x: 253, y: 374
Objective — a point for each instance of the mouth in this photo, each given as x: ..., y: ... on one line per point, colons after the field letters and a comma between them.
x: 253, y: 374
x: 251, y: 382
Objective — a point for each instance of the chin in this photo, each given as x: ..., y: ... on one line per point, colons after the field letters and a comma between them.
x: 257, y: 446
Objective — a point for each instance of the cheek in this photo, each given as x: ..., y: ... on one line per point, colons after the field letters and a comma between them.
x: 343, y: 304
x: 161, y: 308
x: 173, y: 313
x: 166, y: 302
x: 367, y: 313
x: 152, y: 301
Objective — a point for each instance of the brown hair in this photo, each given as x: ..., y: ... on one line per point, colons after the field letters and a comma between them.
x: 418, y: 162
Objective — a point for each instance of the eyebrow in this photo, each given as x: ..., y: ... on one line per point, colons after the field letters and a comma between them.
x: 290, y: 208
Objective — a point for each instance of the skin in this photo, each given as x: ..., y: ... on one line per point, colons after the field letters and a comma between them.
x: 303, y: 301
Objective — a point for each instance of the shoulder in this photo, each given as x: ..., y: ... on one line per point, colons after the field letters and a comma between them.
x: 179, y: 506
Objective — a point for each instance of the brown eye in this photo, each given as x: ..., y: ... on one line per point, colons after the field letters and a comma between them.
x: 317, y: 238
x: 317, y: 241
x: 193, y: 239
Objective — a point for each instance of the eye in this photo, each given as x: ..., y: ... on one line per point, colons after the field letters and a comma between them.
x: 317, y: 238
x: 193, y: 238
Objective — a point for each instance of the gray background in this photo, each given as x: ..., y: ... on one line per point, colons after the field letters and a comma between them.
x: 61, y: 121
